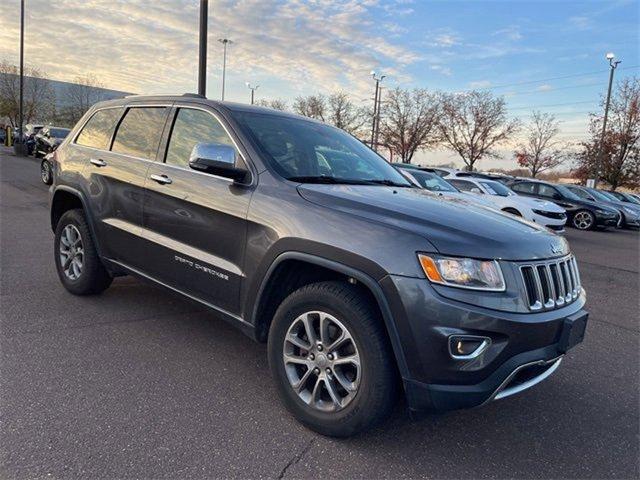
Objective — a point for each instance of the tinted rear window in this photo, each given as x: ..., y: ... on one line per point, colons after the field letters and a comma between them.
x: 139, y: 132
x: 98, y: 130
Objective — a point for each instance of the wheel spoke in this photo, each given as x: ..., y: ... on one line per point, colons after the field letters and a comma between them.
x: 298, y: 342
x: 346, y: 384
x: 288, y: 358
x: 328, y: 383
x: 315, y: 394
x: 308, y: 328
x: 324, y: 330
x: 303, y: 380
x: 349, y: 359
x: 338, y: 342
x: 67, y: 262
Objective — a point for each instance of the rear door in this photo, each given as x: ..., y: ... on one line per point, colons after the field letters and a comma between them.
x: 195, y: 222
x: 117, y: 177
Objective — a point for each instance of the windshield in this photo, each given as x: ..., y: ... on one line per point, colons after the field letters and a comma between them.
x: 59, y: 132
x: 567, y: 193
x: 496, y: 188
x: 610, y: 197
x: 431, y: 181
x: 311, y: 152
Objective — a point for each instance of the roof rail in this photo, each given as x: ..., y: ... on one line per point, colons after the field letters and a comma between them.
x: 193, y: 95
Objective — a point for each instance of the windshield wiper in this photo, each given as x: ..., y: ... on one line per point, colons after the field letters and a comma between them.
x: 328, y: 180
x: 389, y: 183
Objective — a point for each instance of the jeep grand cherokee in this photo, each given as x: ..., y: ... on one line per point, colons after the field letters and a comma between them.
x: 363, y: 287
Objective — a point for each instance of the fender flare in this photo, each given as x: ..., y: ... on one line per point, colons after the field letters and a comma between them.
x: 369, y: 282
x: 85, y: 208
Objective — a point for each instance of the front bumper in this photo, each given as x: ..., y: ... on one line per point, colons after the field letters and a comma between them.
x: 524, y: 347
x: 608, y: 220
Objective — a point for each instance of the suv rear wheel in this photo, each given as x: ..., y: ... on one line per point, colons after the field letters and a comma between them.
x: 79, y: 267
x: 331, y: 359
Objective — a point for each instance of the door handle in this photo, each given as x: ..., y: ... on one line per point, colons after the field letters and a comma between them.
x: 161, y: 179
x: 98, y: 162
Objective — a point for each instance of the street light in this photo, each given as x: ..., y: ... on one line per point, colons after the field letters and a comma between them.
x: 613, y: 64
x: 376, y: 113
x: 224, y: 42
x: 202, y: 41
x: 253, y: 90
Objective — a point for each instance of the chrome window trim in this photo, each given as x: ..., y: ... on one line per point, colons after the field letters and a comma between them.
x: 192, y: 106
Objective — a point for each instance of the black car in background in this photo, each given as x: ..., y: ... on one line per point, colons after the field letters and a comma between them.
x: 583, y: 214
x: 48, y: 139
x: 629, y: 216
x: 623, y: 197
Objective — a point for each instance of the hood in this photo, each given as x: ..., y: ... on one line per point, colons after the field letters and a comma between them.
x: 453, y: 226
x: 539, y: 204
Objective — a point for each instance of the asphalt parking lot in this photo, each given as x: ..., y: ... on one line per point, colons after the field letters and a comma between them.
x: 140, y: 383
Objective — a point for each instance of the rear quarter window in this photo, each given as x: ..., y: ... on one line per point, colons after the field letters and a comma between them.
x: 139, y: 132
x: 97, y: 132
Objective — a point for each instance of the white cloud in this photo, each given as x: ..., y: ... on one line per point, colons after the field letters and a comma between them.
x: 581, y: 22
x: 511, y: 32
x: 148, y: 46
x: 441, y: 69
x: 544, y: 88
x: 480, y: 84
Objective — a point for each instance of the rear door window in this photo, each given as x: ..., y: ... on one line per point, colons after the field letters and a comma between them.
x: 524, y: 187
x: 139, y: 132
x: 546, y: 191
x: 98, y: 130
x: 463, y: 185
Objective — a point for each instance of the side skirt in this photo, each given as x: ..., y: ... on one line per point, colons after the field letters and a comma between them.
x: 244, y: 326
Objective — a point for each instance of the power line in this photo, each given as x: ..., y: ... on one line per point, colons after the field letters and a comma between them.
x: 552, y: 105
x: 529, y: 82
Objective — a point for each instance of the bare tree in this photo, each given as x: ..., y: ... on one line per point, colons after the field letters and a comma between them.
x: 38, y: 96
x: 619, y: 162
x: 80, y: 95
x: 275, y: 103
x: 474, y: 123
x: 540, y: 150
x: 343, y: 114
x: 314, y: 106
x: 410, y: 121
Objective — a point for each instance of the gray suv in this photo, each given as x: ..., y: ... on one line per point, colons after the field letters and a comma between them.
x: 363, y: 287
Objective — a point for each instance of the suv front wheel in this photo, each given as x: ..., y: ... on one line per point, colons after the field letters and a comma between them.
x: 79, y: 267
x: 331, y: 359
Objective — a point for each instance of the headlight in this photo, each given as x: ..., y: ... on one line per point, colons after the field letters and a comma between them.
x: 463, y: 272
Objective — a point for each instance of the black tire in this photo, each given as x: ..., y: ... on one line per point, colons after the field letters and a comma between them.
x: 46, y: 173
x: 93, y: 277
x: 578, y: 220
x: 378, y: 388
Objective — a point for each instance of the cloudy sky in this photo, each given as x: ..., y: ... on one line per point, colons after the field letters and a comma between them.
x: 547, y: 55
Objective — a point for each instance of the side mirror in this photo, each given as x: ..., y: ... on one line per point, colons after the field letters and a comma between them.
x: 216, y: 159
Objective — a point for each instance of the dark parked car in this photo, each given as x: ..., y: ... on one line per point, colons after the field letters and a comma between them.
x: 48, y: 139
x: 629, y: 216
x: 623, y: 197
x: 583, y: 214
x: 304, y: 238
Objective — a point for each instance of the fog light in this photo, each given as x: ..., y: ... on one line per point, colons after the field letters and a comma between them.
x: 467, y: 347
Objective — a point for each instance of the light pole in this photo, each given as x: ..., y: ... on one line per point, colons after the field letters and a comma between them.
x: 21, y: 147
x: 378, y: 79
x: 202, y: 58
x: 224, y: 42
x: 253, y: 90
x: 375, y: 140
x: 613, y: 63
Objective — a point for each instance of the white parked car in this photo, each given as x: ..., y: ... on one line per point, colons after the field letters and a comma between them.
x: 542, y: 212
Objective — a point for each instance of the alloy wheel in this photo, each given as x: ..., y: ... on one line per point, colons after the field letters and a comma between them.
x: 583, y: 220
x: 45, y: 172
x: 322, y: 361
x: 71, y: 252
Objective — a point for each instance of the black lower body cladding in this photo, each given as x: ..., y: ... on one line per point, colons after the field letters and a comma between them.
x: 526, y: 345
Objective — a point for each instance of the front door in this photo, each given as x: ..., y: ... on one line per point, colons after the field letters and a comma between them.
x: 194, y: 222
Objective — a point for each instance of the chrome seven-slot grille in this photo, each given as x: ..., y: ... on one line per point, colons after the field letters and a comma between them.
x: 551, y: 283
